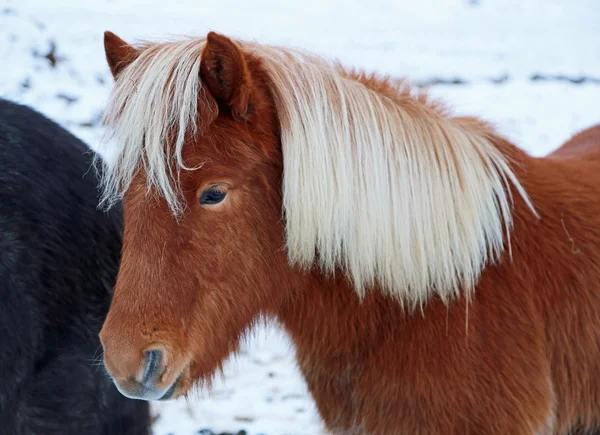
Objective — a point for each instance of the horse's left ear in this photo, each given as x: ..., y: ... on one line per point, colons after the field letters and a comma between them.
x: 224, y: 70
x: 119, y: 54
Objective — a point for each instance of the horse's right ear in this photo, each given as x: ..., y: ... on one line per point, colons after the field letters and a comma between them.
x: 224, y: 71
x: 119, y: 54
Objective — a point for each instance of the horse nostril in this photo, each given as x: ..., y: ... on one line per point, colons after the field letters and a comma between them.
x: 153, y: 366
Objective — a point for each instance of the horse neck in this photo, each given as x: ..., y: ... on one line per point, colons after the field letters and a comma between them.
x: 322, y: 308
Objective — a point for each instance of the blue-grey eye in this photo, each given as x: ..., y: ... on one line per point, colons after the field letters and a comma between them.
x: 212, y: 195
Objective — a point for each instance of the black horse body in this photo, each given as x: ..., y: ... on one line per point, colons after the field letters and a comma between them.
x: 59, y: 257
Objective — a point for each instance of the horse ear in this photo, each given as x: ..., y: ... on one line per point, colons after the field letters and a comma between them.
x: 119, y: 54
x: 224, y: 70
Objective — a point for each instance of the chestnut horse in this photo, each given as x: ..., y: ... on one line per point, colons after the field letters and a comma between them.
x: 434, y: 278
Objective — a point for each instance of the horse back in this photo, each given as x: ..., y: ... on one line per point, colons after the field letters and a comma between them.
x: 585, y: 144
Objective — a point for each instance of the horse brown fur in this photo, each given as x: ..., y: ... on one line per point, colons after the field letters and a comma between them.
x: 522, y: 356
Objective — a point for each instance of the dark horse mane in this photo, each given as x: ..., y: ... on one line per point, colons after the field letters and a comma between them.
x: 59, y: 258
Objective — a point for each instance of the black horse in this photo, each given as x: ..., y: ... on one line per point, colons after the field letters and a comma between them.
x: 59, y: 257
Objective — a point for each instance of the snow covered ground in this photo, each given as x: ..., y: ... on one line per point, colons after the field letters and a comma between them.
x: 530, y: 66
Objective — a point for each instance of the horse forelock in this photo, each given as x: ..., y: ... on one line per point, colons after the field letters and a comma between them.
x: 156, y: 103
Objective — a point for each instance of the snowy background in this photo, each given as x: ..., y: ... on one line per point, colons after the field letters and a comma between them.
x: 530, y: 66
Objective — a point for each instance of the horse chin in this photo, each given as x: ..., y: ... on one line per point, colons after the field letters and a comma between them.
x: 180, y: 386
x: 174, y: 392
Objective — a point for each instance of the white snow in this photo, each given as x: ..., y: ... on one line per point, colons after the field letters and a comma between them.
x: 477, y: 41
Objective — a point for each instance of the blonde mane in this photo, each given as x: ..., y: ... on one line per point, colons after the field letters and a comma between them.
x: 391, y: 191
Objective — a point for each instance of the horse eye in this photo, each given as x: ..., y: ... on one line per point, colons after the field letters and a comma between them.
x: 212, y: 195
